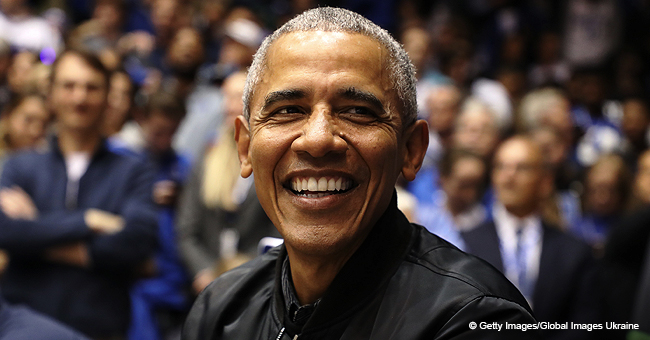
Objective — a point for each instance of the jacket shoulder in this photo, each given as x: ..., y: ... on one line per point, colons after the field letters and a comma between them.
x: 234, y: 296
x: 471, y: 276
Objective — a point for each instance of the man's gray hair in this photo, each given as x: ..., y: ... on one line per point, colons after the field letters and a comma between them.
x: 329, y: 19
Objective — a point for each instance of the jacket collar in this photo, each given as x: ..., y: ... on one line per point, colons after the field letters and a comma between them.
x: 366, y: 272
x: 53, y: 145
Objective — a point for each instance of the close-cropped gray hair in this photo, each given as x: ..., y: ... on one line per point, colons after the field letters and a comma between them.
x: 329, y: 19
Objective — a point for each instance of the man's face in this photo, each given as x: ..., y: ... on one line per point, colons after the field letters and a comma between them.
x: 119, y: 102
x: 603, y: 196
x: 326, y: 141
x: 27, y: 123
x: 463, y: 185
x: 159, y: 132
x: 518, y: 177
x: 78, y: 95
x: 475, y: 131
x: 443, y: 104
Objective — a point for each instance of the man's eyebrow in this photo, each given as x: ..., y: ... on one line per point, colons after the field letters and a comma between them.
x: 282, y: 95
x: 353, y: 93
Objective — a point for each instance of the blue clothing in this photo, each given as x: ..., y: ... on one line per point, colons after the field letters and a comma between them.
x: 439, y: 221
x: 593, y: 230
x: 21, y: 323
x: 425, y: 184
x: 92, y: 300
x: 167, y: 290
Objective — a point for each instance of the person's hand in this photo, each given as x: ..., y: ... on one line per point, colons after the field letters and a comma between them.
x: 16, y: 204
x: 202, y: 280
x: 75, y: 254
x: 103, y: 222
x: 165, y: 192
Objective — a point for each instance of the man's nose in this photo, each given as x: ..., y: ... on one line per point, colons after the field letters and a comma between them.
x: 320, y: 136
x: 79, y: 94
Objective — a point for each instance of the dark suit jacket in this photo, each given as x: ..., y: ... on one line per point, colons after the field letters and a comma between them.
x: 566, y: 285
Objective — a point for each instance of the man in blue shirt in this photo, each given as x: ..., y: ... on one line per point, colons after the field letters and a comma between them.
x: 77, y: 219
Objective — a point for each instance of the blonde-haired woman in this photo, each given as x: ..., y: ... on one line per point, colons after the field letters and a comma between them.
x: 220, y: 220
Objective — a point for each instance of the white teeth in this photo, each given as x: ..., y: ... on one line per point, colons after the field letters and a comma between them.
x: 322, y: 184
x: 331, y: 184
x: 313, y: 184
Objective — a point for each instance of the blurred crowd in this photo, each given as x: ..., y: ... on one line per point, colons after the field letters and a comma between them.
x: 572, y: 76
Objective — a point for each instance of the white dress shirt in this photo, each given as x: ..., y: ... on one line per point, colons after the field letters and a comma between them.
x: 531, y: 237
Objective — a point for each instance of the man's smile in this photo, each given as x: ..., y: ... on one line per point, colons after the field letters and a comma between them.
x: 316, y: 187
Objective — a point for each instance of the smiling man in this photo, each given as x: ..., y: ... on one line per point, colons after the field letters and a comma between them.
x: 329, y: 124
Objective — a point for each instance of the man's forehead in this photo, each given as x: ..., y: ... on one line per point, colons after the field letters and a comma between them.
x: 521, y: 150
x: 330, y: 46
x: 74, y: 66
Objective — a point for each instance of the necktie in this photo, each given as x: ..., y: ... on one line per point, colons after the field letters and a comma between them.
x: 522, y: 273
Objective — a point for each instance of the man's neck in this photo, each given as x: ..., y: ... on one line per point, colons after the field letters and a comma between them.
x: 78, y: 141
x: 311, y: 277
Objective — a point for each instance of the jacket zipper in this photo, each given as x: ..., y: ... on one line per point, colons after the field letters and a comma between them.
x: 280, y: 335
x: 282, y: 332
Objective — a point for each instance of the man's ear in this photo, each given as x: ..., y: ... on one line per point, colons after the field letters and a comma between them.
x: 243, y: 139
x: 417, y: 142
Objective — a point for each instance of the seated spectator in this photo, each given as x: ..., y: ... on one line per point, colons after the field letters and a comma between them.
x: 634, y: 126
x: 120, y: 103
x: 23, y: 124
x: 165, y: 292
x: 562, y: 207
x: 475, y: 130
x: 554, y: 271
x: 19, y: 72
x: 77, y: 219
x: 417, y: 43
x: 606, y: 193
x: 456, y: 207
x: 220, y: 216
x: 625, y: 250
x: 548, y: 69
x: 184, y: 57
x: 442, y: 107
x: 104, y: 28
x: 547, y: 107
x: 595, y: 117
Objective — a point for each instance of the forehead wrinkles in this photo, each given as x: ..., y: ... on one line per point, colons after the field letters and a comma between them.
x: 294, y: 50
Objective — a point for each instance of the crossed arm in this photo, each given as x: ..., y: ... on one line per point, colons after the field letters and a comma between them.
x: 84, y: 238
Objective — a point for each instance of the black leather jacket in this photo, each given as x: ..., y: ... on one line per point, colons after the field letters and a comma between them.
x: 402, y: 283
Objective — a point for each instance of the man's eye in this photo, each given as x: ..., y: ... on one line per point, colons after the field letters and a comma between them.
x: 284, y: 114
x: 359, y: 114
x: 288, y: 110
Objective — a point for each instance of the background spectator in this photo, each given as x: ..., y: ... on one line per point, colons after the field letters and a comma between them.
x: 554, y: 271
x: 456, y: 206
x: 220, y: 216
x: 77, y: 219
x: 23, y: 124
